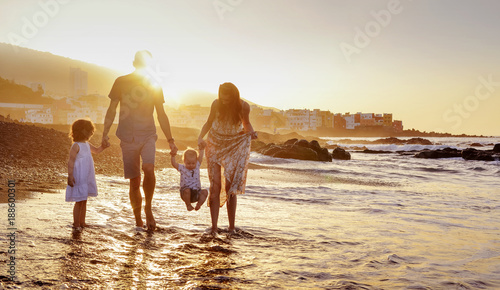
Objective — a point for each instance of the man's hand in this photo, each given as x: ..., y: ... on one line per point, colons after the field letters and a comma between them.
x: 173, y: 148
x: 105, y: 142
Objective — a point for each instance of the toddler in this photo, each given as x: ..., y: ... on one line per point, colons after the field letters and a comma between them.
x: 190, y: 178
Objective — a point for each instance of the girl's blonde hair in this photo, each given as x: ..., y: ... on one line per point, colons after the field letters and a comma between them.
x: 81, y: 130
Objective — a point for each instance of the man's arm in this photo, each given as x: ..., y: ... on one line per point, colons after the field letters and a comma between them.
x: 165, y: 125
x: 108, y: 121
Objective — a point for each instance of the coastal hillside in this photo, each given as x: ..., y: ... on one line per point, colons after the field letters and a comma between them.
x: 25, y: 65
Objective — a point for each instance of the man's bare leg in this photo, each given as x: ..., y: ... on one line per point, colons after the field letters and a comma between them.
x: 148, y: 186
x: 136, y: 199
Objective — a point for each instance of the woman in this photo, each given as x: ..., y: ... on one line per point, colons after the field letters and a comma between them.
x: 228, y: 147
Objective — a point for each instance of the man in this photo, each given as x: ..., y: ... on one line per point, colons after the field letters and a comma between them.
x: 138, y: 98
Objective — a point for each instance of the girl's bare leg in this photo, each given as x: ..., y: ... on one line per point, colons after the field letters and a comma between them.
x: 83, y: 212
x: 186, y: 197
x: 76, y: 214
x: 201, y: 199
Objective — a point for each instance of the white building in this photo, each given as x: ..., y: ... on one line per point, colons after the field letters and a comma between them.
x: 350, y: 122
x: 43, y: 116
x: 78, y: 81
x: 302, y: 120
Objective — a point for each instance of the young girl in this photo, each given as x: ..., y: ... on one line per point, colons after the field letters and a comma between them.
x: 81, y: 174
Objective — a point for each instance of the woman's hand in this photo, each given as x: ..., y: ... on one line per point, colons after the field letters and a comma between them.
x: 201, y: 144
x: 254, y: 135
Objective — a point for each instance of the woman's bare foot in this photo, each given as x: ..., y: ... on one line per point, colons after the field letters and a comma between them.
x: 189, y: 207
x: 77, y: 229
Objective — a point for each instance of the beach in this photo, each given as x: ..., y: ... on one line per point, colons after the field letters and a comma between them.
x: 377, y: 221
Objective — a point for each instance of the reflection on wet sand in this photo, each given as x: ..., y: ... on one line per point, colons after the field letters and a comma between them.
x: 137, y: 259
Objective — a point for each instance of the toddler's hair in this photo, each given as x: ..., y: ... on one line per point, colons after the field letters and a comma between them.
x: 81, y: 130
x: 189, y: 153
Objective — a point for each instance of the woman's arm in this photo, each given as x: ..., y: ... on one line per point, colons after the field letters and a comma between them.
x: 71, y: 163
x: 208, y: 124
x: 245, y: 119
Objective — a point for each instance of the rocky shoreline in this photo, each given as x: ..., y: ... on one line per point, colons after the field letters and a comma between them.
x: 312, y: 151
x: 36, y: 155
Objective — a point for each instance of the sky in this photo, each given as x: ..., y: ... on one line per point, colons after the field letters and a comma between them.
x: 433, y: 64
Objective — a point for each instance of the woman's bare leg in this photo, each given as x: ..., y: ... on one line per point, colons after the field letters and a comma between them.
x: 231, y: 208
x: 215, y: 188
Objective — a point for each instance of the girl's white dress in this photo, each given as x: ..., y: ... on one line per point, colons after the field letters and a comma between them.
x: 84, y: 173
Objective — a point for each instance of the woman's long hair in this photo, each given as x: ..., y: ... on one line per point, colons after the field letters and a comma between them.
x: 232, y: 110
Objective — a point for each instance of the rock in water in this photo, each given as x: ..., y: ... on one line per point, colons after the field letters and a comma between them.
x: 297, y: 152
x: 341, y: 154
x: 474, y: 154
x: 496, y: 149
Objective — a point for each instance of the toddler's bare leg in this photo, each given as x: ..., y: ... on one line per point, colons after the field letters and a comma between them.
x: 201, y: 198
x: 186, y: 197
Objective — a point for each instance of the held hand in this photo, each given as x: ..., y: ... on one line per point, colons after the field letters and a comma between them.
x: 201, y: 144
x: 71, y: 180
x: 173, y: 148
x: 105, y: 142
x: 254, y: 135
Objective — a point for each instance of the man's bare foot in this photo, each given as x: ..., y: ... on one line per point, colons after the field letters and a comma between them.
x: 189, y: 207
x: 150, y: 221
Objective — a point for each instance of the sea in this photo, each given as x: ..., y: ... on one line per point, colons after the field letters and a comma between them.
x: 377, y: 221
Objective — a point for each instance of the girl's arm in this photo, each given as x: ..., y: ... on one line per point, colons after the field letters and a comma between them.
x: 245, y: 119
x: 208, y: 125
x: 71, y: 163
x: 172, y: 160
x: 96, y: 150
